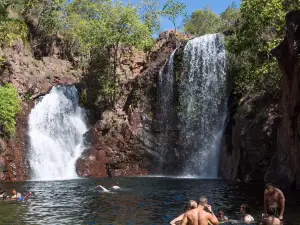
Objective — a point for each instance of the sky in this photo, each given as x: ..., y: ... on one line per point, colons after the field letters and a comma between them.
x: 218, y: 6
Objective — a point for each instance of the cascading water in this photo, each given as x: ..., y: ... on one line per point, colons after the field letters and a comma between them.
x: 203, y: 104
x: 56, y: 128
x: 166, y: 108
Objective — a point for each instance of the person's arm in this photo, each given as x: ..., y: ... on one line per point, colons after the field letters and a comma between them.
x: 179, y: 218
x: 213, y: 219
x: 184, y: 221
x: 282, y: 205
x: 265, y: 203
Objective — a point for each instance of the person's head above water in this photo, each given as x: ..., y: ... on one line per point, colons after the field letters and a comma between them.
x: 270, y: 187
x: 191, y: 205
x: 203, y: 201
x: 245, y: 209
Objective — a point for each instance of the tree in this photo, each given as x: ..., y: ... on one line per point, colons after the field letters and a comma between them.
x: 202, y: 22
x: 261, y: 28
x: 172, y: 9
x: 230, y: 19
x: 106, y: 26
x: 149, y: 10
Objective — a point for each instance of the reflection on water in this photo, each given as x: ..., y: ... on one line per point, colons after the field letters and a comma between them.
x: 146, y: 200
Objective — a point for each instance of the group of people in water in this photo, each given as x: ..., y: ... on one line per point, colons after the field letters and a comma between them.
x: 201, y: 213
x: 15, y: 195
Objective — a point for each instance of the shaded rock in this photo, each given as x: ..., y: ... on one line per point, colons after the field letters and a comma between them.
x: 285, y: 165
x: 250, y: 139
x: 126, y: 132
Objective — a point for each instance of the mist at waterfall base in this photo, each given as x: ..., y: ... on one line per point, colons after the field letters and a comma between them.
x: 144, y: 201
x: 56, y: 128
x: 200, y: 112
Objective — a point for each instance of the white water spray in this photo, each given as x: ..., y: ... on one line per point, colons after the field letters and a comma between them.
x: 203, y: 103
x: 56, y: 128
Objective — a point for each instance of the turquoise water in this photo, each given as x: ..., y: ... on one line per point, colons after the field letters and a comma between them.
x: 143, y: 200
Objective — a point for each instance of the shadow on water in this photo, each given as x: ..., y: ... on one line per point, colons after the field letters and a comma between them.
x: 144, y: 200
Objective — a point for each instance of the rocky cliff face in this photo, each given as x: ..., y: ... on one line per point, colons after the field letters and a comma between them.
x: 32, y: 78
x: 285, y: 165
x: 250, y: 138
x: 123, y: 141
x: 261, y: 141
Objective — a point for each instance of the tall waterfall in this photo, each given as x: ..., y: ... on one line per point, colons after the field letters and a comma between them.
x: 165, y: 96
x: 203, y: 104
x: 56, y: 128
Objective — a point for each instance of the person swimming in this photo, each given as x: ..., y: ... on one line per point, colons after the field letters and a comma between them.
x: 221, y: 216
x: 271, y: 219
x: 247, y: 218
x: 17, y: 196
x: 191, y: 205
x: 3, y: 194
x: 102, y: 188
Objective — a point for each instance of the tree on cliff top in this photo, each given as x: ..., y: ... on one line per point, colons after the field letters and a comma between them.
x: 105, y: 26
x: 261, y: 29
x: 202, y: 21
x: 172, y: 9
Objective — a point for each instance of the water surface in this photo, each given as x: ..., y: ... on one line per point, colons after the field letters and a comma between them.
x: 144, y: 200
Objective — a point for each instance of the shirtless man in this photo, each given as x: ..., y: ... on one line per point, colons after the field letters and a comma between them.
x: 202, y: 215
x: 274, y: 197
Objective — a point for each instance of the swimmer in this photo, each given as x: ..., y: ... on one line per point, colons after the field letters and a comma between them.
x: 3, y: 194
x: 116, y: 186
x: 17, y: 196
x: 271, y: 219
x: 221, y: 217
x: 274, y: 197
x: 103, y: 188
x: 191, y: 205
x: 247, y: 218
x: 202, y: 215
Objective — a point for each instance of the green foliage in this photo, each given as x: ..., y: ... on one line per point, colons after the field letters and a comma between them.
x: 9, y: 107
x: 12, y: 30
x: 202, y: 22
x: 261, y: 28
x: 230, y: 18
x: 172, y: 9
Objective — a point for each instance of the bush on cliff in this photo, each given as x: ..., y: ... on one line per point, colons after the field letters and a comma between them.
x: 260, y: 29
x: 9, y: 107
x: 252, y: 32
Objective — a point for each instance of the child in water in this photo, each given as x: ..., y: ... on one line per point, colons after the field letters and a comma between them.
x: 221, y: 216
x: 17, y: 196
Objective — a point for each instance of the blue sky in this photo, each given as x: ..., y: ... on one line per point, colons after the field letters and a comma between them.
x: 218, y: 6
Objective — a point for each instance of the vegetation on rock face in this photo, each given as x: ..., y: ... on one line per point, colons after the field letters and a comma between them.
x: 252, y: 32
x: 89, y: 33
x: 9, y: 107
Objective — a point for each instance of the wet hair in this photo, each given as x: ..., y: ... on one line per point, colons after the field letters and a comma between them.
x: 246, y: 207
x: 202, y: 200
x: 192, y: 204
x: 269, y: 185
x: 272, y: 211
x: 221, y: 210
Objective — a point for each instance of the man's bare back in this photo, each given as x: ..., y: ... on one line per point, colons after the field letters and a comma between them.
x: 273, y: 197
x: 199, y: 217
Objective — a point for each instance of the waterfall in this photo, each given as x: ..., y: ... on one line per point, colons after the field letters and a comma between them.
x: 165, y: 107
x: 56, y: 128
x: 203, y: 104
